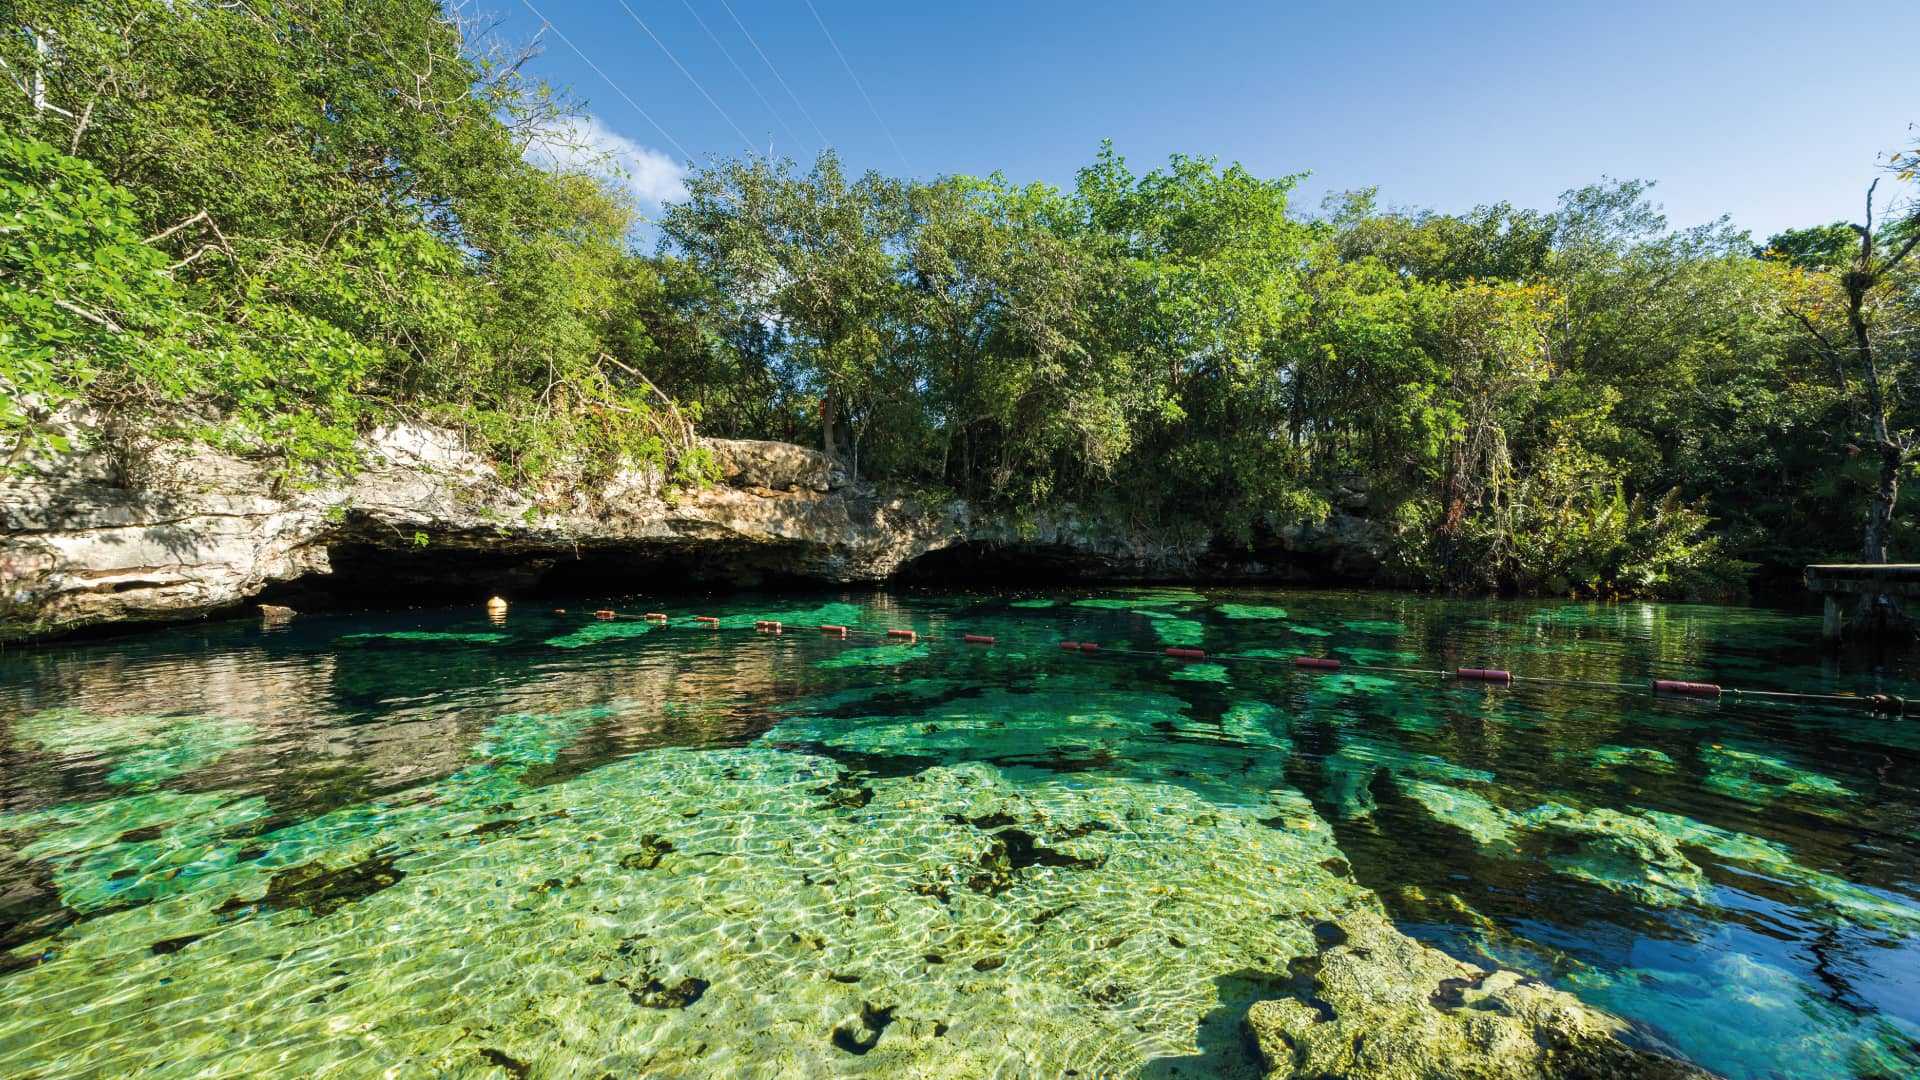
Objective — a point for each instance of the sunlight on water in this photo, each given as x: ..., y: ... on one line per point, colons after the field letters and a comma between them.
x: 426, y: 843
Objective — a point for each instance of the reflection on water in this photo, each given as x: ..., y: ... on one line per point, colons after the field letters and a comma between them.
x: 543, y: 844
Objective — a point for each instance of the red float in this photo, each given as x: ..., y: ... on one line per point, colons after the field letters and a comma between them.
x: 1681, y: 686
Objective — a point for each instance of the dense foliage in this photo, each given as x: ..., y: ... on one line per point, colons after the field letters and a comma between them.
x: 275, y: 223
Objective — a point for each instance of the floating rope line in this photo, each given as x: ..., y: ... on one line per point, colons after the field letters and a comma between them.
x: 1882, y: 704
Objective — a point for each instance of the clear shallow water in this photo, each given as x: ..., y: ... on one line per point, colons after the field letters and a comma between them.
x: 553, y: 846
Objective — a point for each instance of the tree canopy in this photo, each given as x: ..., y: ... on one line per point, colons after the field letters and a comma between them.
x: 277, y: 223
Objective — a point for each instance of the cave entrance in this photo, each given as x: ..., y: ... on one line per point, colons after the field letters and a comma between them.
x: 981, y: 563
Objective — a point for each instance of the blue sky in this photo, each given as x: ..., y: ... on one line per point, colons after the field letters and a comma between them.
x: 1770, y: 112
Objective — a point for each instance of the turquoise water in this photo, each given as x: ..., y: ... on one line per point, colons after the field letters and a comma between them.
x: 430, y: 842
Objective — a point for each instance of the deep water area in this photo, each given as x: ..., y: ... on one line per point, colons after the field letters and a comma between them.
x: 546, y: 844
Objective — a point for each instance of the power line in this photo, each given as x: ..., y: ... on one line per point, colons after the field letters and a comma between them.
x: 755, y: 87
x: 824, y: 141
x: 857, y: 86
x: 744, y: 137
x: 684, y: 153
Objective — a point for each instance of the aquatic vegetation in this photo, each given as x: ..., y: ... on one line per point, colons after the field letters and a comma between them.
x: 1363, y: 654
x: 598, y: 631
x: 1033, y: 604
x: 1475, y: 815
x: 144, y: 749
x: 1344, y: 684
x: 1618, y: 851
x: 1141, y: 604
x: 1761, y: 778
x: 536, y: 739
x: 1375, y: 626
x: 1166, y: 594
x: 1251, y: 611
x: 1351, y: 770
x: 134, y: 848
x: 837, y: 614
x: 1215, y: 673
x: 1310, y: 631
x: 1185, y: 633
x: 1638, y: 757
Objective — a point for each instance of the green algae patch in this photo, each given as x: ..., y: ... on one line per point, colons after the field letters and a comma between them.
x: 1184, y: 633
x: 875, y: 656
x: 601, y: 630
x: 1251, y: 611
x: 135, y: 849
x: 1143, y: 605
x: 1349, y: 684
x: 1477, y: 816
x: 1350, y: 773
x: 1034, y: 605
x: 1213, y: 673
x: 1618, y: 851
x: 1309, y: 631
x: 1362, y: 654
x: 426, y: 637
x: 1375, y: 626
x: 1637, y: 757
x: 1762, y: 778
x: 1166, y: 594
x: 536, y: 738
x: 836, y: 614
x: 145, y: 749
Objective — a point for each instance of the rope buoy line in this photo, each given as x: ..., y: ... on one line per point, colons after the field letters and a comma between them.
x: 1882, y: 704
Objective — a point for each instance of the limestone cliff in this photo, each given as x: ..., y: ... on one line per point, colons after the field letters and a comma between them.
x: 169, y: 531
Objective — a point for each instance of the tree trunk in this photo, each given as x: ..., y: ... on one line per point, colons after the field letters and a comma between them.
x: 1880, y: 510
x: 829, y: 419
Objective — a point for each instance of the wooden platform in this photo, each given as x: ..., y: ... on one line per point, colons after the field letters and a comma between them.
x: 1843, y: 585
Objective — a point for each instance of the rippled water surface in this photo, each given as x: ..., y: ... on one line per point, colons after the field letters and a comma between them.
x: 553, y: 846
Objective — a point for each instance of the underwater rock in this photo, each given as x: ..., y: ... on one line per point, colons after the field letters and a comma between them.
x: 1622, y: 852
x: 652, y: 849
x: 1379, y: 1004
x: 319, y: 889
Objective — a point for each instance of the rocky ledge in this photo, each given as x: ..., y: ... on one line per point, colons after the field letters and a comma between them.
x: 1376, y: 1003
x: 110, y: 533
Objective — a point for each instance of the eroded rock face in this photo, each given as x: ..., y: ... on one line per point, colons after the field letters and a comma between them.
x: 170, y: 531
x: 1375, y: 1003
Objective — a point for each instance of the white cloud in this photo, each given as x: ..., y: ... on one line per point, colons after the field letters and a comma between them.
x: 585, y: 144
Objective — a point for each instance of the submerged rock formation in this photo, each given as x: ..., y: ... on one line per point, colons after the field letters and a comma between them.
x: 166, y: 530
x: 1376, y: 1003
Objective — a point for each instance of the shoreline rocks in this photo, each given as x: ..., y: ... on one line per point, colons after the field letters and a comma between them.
x: 166, y: 531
